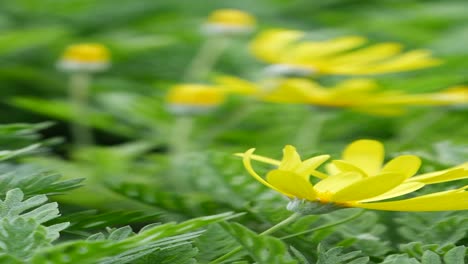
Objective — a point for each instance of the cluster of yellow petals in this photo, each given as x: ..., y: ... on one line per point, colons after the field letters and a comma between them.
x: 231, y: 17
x: 230, y: 22
x: 196, y: 95
x: 85, y: 57
x: 344, y: 55
x: 86, y: 52
x: 360, y: 179
x: 358, y: 94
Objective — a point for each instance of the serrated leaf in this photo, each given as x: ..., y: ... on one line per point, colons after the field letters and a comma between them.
x: 263, y: 249
x: 299, y: 256
x: 399, y: 259
x: 128, y: 249
x: 335, y: 256
x: 430, y: 257
x: 455, y: 255
x: 33, y: 180
x: 120, y: 233
x: 21, y: 235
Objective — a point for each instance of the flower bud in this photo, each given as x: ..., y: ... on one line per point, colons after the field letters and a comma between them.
x: 229, y: 22
x: 85, y: 57
x: 194, y: 98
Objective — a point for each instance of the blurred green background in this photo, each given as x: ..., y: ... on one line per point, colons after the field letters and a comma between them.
x: 153, y: 42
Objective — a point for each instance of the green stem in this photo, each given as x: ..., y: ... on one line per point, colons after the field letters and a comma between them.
x: 271, y: 230
x: 206, y: 58
x: 79, y: 93
x: 180, y: 136
x: 281, y: 224
x: 358, y: 214
x: 179, y: 145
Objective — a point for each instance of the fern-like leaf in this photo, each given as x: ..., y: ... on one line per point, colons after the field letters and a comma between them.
x: 22, y: 232
x: 263, y: 249
x: 33, y: 180
x: 335, y: 256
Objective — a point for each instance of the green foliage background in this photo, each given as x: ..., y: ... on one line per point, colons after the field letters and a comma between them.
x: 119, y: 198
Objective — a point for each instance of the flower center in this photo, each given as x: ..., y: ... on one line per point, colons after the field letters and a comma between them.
x: 325, y: 197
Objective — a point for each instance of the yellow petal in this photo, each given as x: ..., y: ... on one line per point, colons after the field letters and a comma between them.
x: 400, y: 190
x: 309, y: 165
x: 441, y: 176
x: 309, y: 50
x: 248, y: 166
x: 366, y: 55
x: 270, y: 45
x: 354, y: 87
x: 408, y: 61
x: 237, y: 85
x: 369, y: 187
x: 344, y: 166
x: 337, y: 182
x: 291, y: 159
x: 261, y: 159
x: 443, y: 201
x: 366, y: 154
x: 405, y: 164
x: 331, y: 169
x: 291, y: 184
x: 295, y: 90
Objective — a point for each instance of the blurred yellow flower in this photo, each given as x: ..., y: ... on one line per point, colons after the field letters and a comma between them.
x: 187, y: 98
x: 359, y: 180
x: 88, y: 57
x: 357, y: 94
x: 289, y: 53
x: 229, y: 21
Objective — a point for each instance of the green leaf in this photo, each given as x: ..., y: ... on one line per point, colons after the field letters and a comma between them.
x: 213, y: 243
x: 102, y: 250
x: 335, y: 256
x: 120, y: 233
x: 22, y: 232
x: 430, y: 257
x: 92, y: 220
x: 20, y: 39
x: 33, y: 180
x: 300, y: 258
x: 263, y: 249
x: 183, y: 254
x: 436, y: 227
x: 455, y: 255
x: 399, y: 259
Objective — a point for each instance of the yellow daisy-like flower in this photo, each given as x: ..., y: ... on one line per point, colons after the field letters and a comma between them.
x: 229, y: 21
x: 289, y: 53
x: 88, y: 57
x: 360, y: 179
x: 356, y: 94
x: 194, y: 98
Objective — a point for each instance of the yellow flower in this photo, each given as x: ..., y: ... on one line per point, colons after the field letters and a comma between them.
x: 187, y: 98
x: 356, y: 94
x: 229, y: 21
x: 360, y: 180
x: 89, y: 57
x: 289, y: 53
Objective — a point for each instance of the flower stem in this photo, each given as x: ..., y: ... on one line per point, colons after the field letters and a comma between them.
x: 280, y: 225
x: 271, y: 230
x: 179, y: 145
x: 352, y: 217
x: 206, y: 58
x: 79, y: 93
